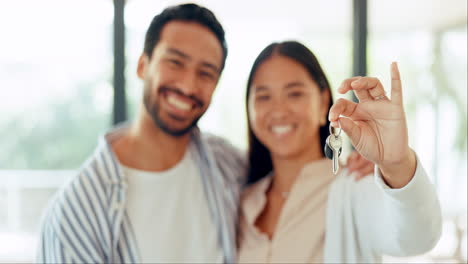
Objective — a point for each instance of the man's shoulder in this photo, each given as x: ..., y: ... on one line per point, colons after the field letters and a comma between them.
x: 86, y: 190
x: 219, y: 142
x: 231, y: 160
x: 224, y: 150
x: 78, y: 214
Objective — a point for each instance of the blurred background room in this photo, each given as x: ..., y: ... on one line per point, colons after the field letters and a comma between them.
x: 68, y: 73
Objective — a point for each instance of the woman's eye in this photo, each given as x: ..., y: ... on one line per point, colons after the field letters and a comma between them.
x: 295, y: 94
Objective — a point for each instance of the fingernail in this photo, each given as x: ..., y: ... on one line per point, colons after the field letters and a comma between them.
x: 334, y: 124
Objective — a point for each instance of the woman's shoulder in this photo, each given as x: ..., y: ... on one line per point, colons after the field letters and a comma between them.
x: 257, y: 188
x: 253, y: 199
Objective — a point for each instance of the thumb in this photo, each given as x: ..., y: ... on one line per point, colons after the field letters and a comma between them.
x: 350, y: 128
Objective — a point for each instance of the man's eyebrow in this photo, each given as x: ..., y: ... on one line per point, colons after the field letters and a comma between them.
x: 294, y: 84
x: 178, y: 53
x: 260, y: 88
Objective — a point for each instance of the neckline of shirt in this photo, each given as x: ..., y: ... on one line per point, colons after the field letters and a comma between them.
x: 256, y: 193
x: 158, y: 175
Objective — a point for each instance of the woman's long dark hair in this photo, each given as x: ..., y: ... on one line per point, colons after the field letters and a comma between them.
x: 260, y: 163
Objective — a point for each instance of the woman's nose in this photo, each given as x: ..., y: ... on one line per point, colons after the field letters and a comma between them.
x: 279, y: 109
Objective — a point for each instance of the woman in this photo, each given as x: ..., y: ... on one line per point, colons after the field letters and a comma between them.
x: 295, y: 209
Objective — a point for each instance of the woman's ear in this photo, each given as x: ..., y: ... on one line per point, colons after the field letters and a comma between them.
x: 324, y: 106
x: 142, y: 64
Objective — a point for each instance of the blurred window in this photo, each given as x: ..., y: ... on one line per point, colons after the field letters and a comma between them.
x: 55, y: 81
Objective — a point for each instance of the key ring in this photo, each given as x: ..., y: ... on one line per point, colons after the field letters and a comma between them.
x: 334, y: 129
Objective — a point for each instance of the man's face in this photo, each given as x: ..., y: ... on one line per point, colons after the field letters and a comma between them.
x: 181, y: 75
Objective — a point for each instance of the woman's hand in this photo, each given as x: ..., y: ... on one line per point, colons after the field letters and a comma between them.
x: 377, y: 126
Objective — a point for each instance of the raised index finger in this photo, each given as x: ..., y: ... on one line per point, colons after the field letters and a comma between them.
x: 397, y: 93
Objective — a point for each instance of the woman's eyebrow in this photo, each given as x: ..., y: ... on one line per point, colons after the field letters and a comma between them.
x: 294, y: 84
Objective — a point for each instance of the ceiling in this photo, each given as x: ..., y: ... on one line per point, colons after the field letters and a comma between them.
x: 329, y: 15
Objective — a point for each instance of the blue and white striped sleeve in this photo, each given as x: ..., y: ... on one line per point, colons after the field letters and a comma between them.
x: 67, y: 229
x: 50, y: 248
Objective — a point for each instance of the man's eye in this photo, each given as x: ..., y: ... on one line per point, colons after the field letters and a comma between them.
x: 263, y: 97
x: 175, y: 62
x: 207, y: 75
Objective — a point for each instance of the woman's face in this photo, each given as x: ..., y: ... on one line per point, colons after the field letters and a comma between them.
x: 286, y: 107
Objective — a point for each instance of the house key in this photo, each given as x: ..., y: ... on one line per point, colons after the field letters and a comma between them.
x: 333, y: 147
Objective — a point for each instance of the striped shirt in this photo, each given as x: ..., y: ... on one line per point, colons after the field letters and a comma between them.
x: 87, y: 222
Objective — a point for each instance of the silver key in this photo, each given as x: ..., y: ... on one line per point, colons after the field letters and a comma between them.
x: 335, y: 144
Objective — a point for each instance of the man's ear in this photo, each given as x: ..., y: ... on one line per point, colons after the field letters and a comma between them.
x: 142, y: 64
x: 324, y: 107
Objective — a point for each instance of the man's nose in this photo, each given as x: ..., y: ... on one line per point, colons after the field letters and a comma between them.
x: 187, y: 83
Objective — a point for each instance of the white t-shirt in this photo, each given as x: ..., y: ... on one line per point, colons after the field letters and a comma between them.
x: 170, y: 217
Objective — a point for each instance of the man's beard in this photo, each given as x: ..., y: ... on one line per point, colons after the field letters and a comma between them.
x: 154, y: 111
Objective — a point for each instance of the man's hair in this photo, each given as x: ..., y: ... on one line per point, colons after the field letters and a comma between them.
x: 189, y: 13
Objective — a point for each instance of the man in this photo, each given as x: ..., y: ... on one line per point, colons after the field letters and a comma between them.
x: 157, y: 190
